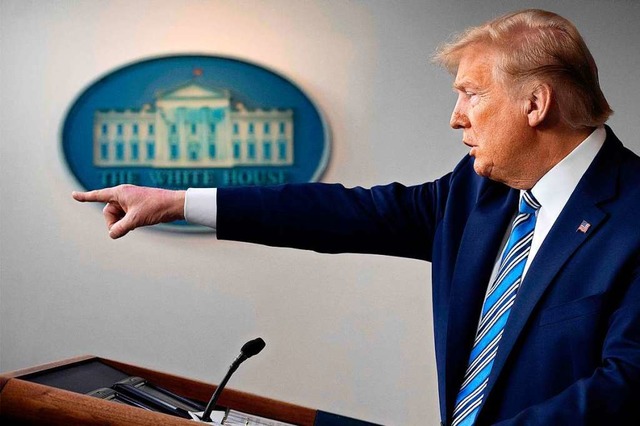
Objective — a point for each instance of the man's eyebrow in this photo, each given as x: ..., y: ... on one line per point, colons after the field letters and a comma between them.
x: 463, y: 84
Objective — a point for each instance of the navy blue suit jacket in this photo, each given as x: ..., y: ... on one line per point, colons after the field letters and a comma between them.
x: 570, y: 354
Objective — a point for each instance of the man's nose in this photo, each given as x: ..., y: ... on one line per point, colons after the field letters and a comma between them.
x: 458, y: 120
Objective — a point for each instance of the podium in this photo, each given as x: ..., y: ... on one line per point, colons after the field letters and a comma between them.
x: 55, y: 394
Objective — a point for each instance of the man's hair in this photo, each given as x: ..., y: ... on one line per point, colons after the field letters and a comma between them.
x: 539, y: 46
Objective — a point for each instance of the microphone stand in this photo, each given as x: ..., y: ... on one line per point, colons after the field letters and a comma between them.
x: 206, y: 415
x: 249, y: 349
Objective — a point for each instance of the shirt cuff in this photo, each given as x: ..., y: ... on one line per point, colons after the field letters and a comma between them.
x: 201, y: 207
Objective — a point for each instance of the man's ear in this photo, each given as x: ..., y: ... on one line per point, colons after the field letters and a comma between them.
x: 538, y: 105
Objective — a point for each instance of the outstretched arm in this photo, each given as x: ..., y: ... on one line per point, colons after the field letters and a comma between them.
x: 130, y: 207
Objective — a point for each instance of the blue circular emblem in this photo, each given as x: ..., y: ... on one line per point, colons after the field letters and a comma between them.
x: 194, y: 121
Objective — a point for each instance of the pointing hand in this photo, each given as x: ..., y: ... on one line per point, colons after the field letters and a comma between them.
x: 129, y: 207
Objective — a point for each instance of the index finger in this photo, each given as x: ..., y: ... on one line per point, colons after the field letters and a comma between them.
x: 102, y: 195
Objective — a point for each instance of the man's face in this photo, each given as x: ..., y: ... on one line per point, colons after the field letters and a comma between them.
x: 494, y: 124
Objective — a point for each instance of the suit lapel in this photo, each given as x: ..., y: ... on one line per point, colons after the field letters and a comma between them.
x: 481, y: 240
x: 598, y: 184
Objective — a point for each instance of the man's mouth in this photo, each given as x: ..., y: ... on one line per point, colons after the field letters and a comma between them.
x: 472, y: 150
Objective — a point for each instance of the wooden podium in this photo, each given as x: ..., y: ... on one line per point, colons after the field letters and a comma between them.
x: 29, y: 397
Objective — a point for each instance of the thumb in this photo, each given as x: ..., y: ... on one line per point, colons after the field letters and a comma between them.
x: 121, y: 227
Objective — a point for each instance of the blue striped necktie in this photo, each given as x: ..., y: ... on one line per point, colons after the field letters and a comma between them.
x: 495, y: 311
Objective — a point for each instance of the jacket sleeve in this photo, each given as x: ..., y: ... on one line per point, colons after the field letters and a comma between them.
x: 391, y: 220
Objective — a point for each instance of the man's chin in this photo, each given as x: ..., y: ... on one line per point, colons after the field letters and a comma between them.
x: 482, y: 169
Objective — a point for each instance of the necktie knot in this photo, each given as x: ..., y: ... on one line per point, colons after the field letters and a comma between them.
x: 528, y: 203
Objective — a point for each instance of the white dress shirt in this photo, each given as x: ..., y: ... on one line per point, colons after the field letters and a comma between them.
x: 201, y: 206
x: 554, y: 189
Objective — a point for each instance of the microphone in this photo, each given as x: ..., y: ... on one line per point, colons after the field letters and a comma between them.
x: 249, y: 349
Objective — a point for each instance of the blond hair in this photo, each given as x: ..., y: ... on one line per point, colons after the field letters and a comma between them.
x: 539, y: 46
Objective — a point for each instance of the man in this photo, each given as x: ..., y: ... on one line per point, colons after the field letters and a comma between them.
x: 536, y: 322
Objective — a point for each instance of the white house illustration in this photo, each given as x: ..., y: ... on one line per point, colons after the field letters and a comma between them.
x: 193, y: 126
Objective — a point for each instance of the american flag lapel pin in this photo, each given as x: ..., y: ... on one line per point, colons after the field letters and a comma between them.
x: 584, y: 227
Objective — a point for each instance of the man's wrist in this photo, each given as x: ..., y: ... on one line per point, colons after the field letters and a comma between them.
x: 178, y: 204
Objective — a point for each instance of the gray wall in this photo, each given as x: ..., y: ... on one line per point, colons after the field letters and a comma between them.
x: 345, y: 333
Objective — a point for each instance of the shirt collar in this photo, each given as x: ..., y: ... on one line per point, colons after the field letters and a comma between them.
x: 556, y: 186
